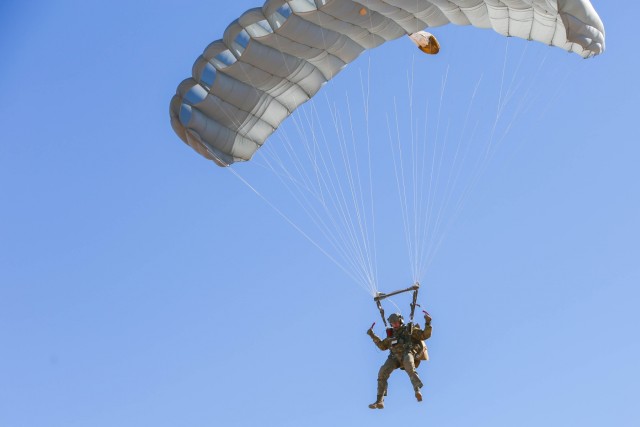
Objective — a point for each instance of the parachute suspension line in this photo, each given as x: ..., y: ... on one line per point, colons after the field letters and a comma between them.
x: 347, y: 223
x: 441, y: 228
x: 415, y: 224
x: 453, y: 177
x: 327, y: 182
x: 476, y: 170
x: 398, y: 309
x: 426, y: 195
x: 332, y: 189
x: 427, y: 232
x: 506, y: 97
x: 419, y: 162
x: 360, y: 204
x: 295, y: 161
x: 414, y: 173
x: 525, y: 101
x: 434, y: 210
x: 555, y: 96
x: 431, y: 195
x: 365, y: 99
x: 355, y: 227
x: 435, y: 168
x: 369, y: 240
x: 513, y: 86
x: 401, y: 181
x: 294, y: 225
x: 523, y: 105
x: 491, y: 148
x: 303, y: 201
x: 503, y: 102
x: 399, y: 174
x: 361, y: 213
x: 344, y: 205
x: 528, y: 99
x: 342, y: 202
x: 312, y: 212
x: 417, y: 180
x: 438, y: 239
x: 504, y: 70
x: 424, y: 236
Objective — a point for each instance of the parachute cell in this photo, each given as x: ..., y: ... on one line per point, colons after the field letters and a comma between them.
x: 273, y: 59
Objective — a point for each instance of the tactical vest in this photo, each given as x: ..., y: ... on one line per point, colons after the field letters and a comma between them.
x: 402, y: 343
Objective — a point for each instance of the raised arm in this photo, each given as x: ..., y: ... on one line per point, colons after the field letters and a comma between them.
x: 381, y: 344
x: 424, y: 334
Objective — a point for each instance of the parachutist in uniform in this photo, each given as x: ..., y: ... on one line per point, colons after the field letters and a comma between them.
x: 406, y: 349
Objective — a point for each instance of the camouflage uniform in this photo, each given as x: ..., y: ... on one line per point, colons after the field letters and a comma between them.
x: 407, y: 349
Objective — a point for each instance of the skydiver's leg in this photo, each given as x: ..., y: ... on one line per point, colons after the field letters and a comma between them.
x: 385, y: 372
x: 383, y: 375
x: 410, y: 368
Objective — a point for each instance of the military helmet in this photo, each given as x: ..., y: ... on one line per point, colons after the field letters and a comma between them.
x: 396, y: 317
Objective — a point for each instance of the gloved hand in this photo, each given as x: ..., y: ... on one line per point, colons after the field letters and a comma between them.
x: 427, y: 317
x: 370, y: 330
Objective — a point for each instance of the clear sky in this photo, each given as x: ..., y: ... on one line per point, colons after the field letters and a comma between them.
x: 141, y: 285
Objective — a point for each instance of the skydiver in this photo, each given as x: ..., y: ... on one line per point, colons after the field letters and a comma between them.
x: 406, y: 349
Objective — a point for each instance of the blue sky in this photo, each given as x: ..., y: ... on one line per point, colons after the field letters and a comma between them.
x: 143, y: 285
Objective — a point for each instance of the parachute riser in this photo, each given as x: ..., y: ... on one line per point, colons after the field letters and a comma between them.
x: 380, y: 296
x: 414, y: 303
x: 384, y: 319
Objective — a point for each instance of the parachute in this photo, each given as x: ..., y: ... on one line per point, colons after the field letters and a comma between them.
x: 273, y: 59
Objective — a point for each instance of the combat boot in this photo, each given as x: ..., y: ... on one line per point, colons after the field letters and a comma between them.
x: 378, y: 404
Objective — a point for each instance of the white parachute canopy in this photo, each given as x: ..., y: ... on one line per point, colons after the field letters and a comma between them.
x: 273, y: 59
